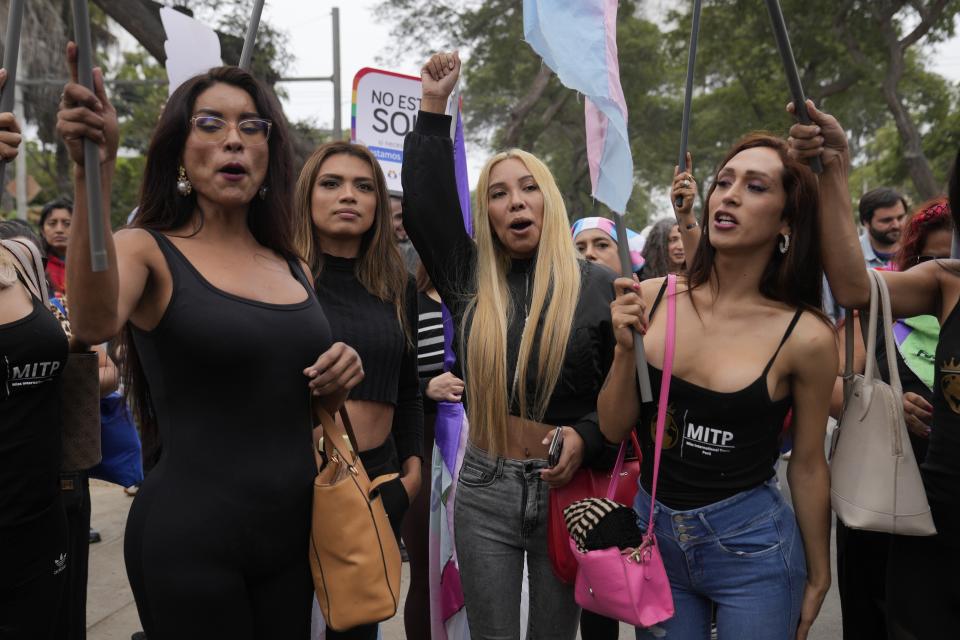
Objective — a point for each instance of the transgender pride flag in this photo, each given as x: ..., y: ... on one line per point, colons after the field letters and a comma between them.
x: 577, y: 39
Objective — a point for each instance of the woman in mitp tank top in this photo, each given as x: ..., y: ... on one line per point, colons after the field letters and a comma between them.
x: 345, y: 233
x: 923, y: 594
x: 750, y: 343
x: 226, y: 342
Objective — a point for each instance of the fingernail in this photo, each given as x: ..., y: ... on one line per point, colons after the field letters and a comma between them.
x: 636, y: 286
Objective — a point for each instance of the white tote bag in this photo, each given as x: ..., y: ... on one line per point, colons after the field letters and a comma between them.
x: 875, y: 483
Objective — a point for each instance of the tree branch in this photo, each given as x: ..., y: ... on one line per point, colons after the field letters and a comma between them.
x: 927, y: 21
x: 519, y: 112
x: 837, y: 86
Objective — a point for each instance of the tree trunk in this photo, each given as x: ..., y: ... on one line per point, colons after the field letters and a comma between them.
x: 917, y: 166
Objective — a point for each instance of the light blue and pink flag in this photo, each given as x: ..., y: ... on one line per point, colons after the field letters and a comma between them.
x: 578, y: 41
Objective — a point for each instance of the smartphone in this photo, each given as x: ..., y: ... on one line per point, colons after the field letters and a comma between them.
x: 556, y: 446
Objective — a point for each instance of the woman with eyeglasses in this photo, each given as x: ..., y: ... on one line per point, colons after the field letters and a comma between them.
x: 226, y: 344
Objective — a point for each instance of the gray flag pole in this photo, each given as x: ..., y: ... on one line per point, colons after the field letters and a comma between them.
x: 11, y: 54
x: 790, y: 69
x: 247, y: 54
x: 688, y: 93
x: 626, y: 267
x: 91, y: 152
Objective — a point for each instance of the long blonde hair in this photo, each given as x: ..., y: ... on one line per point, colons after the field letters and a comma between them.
x: 556, y: 289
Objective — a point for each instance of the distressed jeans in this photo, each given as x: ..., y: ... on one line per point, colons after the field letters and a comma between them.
x: 500, y: 516
x: 743, y: 554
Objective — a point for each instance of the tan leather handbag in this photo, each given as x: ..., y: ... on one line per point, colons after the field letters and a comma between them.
x: 875, y: 482
x: 354, y: 555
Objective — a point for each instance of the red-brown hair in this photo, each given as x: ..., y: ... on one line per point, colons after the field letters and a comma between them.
x: 932, y: 215
x: 794, y: 278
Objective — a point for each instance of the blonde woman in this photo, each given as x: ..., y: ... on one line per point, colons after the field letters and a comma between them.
x: 533, y: 340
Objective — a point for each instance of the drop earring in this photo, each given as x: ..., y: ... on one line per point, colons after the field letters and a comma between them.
x: 785, y: 243
x: 263, y: 192
x: 184, y: 188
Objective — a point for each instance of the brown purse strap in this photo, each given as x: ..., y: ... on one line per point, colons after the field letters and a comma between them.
x: 328, y: 426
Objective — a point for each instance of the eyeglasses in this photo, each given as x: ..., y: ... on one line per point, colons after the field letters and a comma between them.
x: 252, y: 131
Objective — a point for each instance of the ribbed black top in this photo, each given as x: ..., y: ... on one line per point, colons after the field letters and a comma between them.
x: 370, y: 325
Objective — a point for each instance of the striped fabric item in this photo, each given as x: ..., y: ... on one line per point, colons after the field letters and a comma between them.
x: 429, y: 337
x: 583, y: 515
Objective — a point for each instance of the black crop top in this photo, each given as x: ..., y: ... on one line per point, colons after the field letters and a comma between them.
x: 715, y: 444
x: 941, y: 469
x: 433, y: 220
x: 370, y: 325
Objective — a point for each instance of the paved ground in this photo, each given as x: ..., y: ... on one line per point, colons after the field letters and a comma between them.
x: 112, y: 615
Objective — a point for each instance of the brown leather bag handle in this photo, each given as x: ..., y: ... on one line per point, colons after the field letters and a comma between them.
x: 320, y: 414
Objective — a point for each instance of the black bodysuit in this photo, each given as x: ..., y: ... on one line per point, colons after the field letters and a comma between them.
x: 433, y: 221
x: 217, y: 538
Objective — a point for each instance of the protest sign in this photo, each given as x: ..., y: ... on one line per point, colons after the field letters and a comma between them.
x: 384, y: 110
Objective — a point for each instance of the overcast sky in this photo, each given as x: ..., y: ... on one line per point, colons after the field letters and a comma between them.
x: 363, y: 40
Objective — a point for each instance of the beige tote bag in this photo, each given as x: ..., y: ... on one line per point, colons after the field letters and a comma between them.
x: 875, y: 483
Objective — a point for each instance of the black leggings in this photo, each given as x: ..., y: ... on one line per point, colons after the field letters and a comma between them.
x: 75, y: 494
x: 416, y: 537
x: 377, y: 462
x: 33, y: 563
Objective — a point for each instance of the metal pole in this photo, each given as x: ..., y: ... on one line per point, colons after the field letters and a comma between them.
x: 11, y: 54
x: 21, y: 161
x: 688, y: 92
x: 247, y: 54
x: 91, y: 152
x: 790, y: 69
x: 337, y: 125
x: 626, y: 267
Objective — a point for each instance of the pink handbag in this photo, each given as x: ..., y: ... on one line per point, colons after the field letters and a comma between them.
x: 632, y: 585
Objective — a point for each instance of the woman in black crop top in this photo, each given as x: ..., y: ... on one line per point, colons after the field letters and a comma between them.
x: 751, y: 343
x: 345, y: 232
x: 533, y: 342
x: 225, y: 344
x: 923, y: 595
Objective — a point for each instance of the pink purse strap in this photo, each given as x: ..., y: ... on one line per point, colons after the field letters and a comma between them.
x: 618, y: 467
x: 670, y: 342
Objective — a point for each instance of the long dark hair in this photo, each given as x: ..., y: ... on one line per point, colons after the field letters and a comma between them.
x: 379, y: 267
x: 794, y: 278
x: 656, y: 250
x: 162, y: 208
x: 59, y: 203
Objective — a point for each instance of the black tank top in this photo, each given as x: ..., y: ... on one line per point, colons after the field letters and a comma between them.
x: 941, y: 469
x: 715, y: 444
x: 33, y: 352
x: 226, y: 380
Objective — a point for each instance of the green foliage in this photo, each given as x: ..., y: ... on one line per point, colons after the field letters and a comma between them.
x: 842, y: 48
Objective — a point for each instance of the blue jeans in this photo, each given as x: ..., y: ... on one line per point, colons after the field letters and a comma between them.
x: 743, y: 554
x: 500, y: 517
